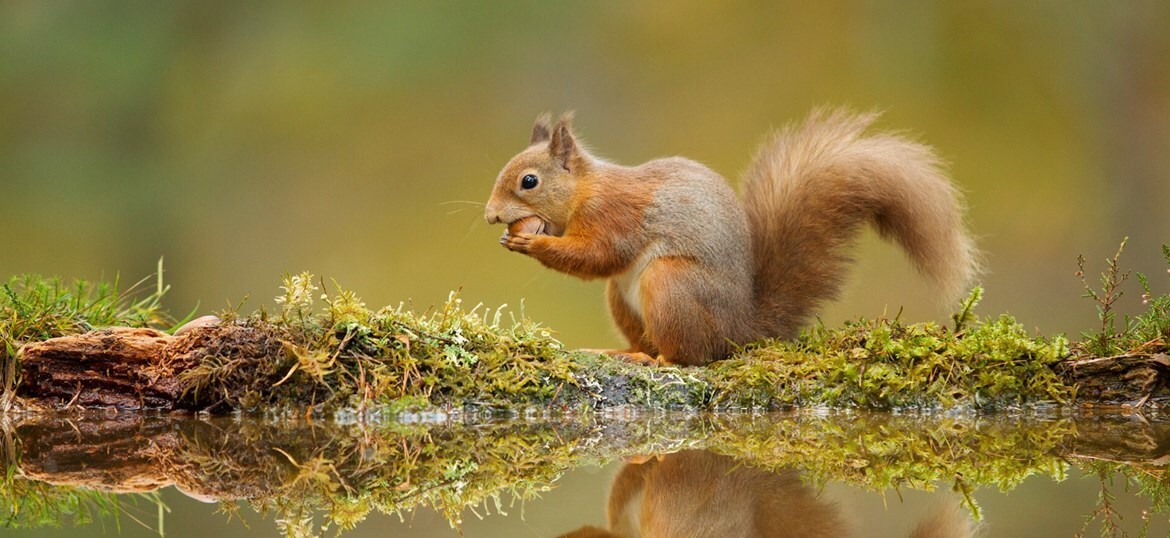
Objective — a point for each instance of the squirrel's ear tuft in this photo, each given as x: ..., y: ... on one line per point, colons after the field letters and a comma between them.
x: 562, y: 146
x: 540, y: 130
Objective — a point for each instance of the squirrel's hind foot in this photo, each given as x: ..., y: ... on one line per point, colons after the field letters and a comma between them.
x: 631, y: 356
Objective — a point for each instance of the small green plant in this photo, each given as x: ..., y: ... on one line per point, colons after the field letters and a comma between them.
x: 1148, y: 332
x: 1104, y: 341
x: 1151, y: 329
x: 965, y: 314
x: 296, y: 303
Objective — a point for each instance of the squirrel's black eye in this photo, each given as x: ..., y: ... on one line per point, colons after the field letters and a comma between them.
x: 528, y: 182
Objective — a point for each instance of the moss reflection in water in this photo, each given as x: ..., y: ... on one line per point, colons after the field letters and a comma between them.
x: 313, y: 476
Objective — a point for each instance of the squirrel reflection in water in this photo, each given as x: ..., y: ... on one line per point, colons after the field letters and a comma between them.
x: 696, y: 493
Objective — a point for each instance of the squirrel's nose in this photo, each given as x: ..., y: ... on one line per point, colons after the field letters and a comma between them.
x: 491, y: 215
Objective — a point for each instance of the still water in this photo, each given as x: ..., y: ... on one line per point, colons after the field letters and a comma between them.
x: 1037, y: 473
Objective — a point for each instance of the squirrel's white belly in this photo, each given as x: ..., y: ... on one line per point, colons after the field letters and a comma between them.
x: 630, y: 282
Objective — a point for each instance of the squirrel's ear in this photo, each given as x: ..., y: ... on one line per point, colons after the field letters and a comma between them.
x: 562, y: 146
x: 540, y: 130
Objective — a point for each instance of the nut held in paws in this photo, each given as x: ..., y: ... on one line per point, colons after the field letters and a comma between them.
x: 528, y: 225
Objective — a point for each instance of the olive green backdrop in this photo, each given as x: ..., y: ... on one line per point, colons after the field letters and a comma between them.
x: 240, y: 140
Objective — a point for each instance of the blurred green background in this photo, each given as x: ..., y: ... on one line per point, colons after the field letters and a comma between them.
x: 240, y: 140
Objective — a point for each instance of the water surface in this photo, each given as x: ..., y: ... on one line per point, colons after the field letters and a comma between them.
x: 780, y: 474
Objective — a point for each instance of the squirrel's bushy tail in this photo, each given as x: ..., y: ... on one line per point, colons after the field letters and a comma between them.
x: 812, y: 186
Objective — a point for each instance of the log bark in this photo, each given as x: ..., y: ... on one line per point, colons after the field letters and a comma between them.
x: 115, y: 367
x: 132, y: 368
x: 1131, y: 380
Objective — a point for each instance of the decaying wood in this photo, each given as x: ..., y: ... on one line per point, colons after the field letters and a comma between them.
x: 1133, y: 380
x: 114, y: 367
x: 130, y: 368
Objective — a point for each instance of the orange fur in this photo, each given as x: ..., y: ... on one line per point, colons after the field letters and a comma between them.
x: 694, y: 271
x: 812, y: 186
x: 673, y: 285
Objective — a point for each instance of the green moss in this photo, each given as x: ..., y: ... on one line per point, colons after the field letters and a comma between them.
x: 346, y: 356
x: 888, y: 364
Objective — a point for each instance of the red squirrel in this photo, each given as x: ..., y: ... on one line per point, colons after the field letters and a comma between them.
x: 693, y: 270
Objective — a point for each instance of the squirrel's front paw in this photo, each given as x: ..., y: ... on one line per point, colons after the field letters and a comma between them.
x: 521, y: 242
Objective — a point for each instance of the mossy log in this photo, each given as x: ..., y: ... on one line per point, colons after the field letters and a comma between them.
x: 137, y: 368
